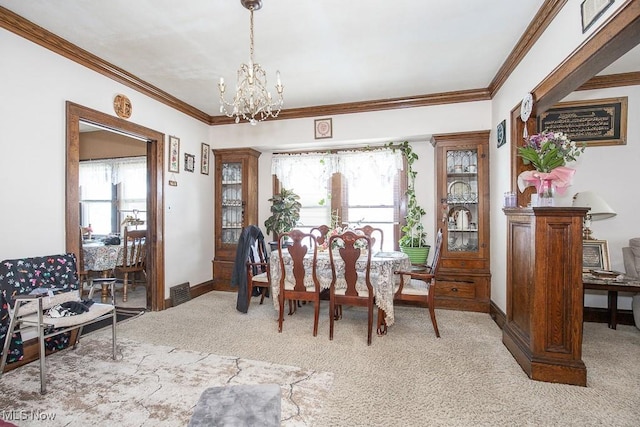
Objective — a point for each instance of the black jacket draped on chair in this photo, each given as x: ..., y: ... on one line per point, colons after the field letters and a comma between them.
x: 248, y: 239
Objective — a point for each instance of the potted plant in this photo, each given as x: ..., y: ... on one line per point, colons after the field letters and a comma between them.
x: 285, y: 213
x: 413, y: 239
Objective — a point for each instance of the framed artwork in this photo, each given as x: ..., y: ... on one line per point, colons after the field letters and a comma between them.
x: 189, y: 162
x: 594, y: 122
x: 595, y: 255
x: 501, y: 133
x: 323, y: 128
x: 591, y: 10
x: 174, y: 154
x: 204, y: 156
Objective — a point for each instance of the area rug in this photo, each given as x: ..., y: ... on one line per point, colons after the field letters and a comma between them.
x: 148, y: 385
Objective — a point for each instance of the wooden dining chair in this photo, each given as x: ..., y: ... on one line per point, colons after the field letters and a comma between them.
x: 294, y: 285
x: 369, y: 230
x: 258, y: 274
x: 134, y: 255
x: 419, y: 285
x: 320, y: 233
x: 355, y: 287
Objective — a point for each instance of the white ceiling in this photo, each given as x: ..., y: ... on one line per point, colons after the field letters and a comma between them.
x: 327, y: 51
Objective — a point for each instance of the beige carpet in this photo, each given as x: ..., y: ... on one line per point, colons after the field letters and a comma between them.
x: 409, y: 377
x: 148, y: 385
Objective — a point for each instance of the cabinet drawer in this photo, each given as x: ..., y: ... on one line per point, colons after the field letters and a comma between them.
x: 466, y: 264
x: 455, y: 288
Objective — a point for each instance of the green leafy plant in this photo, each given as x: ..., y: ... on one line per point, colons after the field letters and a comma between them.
x: 285, y: 212
x: 413, y: 233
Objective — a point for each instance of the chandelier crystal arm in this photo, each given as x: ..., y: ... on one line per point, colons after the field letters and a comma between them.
x: 252, y: 101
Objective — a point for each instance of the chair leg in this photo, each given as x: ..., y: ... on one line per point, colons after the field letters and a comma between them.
x: 433, y: 320
x: 281, y: 312
x: 332, y: 309
x: 249, y: 293
x: 43, y: 372
x: 369, y: 323
x: 124, y: 287
x: 113, y: 334
x: 382, y: 322
x: 263, y: 292
x: 316, y: 316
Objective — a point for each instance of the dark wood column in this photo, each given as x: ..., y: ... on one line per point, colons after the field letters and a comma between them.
x: 543, y: 330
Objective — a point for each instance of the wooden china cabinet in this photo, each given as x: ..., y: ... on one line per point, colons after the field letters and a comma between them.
x: 462, y: 206
x: 236, y: 206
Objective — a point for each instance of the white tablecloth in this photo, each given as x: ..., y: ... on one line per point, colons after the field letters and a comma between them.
x: 383, y: 264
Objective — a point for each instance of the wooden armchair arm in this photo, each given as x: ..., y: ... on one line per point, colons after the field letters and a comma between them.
x: 250, y: 266
x: 418, y: 275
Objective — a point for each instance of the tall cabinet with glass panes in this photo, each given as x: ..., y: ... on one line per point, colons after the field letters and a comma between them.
x: 236, y: 206
x: 462, y: 206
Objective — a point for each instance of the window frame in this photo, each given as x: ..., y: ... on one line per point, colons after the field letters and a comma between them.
x: 338, y: 197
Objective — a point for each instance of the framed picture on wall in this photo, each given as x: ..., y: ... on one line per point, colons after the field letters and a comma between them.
x: 595, y: 255
x: 174, y: 154
x: 189, y: 162
x: 204, y: 156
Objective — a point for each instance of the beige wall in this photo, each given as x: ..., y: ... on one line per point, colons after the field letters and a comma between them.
x: 103, y: 144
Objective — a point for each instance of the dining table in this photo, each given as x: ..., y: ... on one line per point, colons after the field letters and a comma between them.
x: 383, y: 278
x: 101, y: 257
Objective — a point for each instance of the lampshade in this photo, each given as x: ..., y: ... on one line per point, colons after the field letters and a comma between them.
x: 599, y: 208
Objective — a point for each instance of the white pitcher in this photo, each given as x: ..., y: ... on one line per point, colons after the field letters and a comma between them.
x: 462, y: 219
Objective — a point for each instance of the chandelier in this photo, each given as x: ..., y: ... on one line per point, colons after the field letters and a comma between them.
x: 252, y: 100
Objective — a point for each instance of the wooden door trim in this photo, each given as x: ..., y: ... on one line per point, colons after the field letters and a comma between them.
x: 155, y: 190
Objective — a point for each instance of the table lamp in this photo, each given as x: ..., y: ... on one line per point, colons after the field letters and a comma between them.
x: 599, y: 209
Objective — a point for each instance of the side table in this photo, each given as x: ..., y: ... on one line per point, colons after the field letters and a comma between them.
x: 612, y: 286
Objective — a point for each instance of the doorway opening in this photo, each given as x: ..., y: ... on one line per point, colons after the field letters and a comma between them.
x: 154, y: 152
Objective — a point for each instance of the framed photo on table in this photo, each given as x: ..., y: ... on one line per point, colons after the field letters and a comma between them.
x: 174, y: 154
x: 595, y: 255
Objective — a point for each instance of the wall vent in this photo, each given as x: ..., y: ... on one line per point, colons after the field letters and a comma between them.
x: 180, y: 293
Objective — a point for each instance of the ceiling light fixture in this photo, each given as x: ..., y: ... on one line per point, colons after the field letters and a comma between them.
x: 252, y: 100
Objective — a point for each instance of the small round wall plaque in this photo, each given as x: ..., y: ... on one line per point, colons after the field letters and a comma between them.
x: 122, y: 106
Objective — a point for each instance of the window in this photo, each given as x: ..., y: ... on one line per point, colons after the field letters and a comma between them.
x: 361, y: 187
x: 112, y: 190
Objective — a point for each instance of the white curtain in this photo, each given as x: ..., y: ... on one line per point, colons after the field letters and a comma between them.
x: 101, y: 174
x: 370, y: 165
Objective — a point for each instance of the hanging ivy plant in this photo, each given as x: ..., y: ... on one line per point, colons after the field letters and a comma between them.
x: 413, y: 234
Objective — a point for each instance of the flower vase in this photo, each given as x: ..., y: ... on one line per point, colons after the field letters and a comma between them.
x: 546, y: 193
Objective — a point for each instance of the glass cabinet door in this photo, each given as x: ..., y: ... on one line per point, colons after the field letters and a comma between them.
x: 462, y: 200
x: 232, y: 202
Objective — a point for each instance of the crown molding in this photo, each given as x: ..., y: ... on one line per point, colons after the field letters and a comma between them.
x: 36, y: 34
x: 612, y: 80
x: 40, y: 36
x: 536, y: 28
x: 374, y: 105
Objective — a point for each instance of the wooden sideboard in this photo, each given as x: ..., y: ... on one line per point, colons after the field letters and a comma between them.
x: 543, y: 329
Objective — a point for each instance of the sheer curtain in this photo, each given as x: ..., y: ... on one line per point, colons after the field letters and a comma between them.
x: 367, y: 176
x: 377, y: 164
x: 97, y: 178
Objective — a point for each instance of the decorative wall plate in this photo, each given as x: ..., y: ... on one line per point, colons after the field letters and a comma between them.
x: 122, y: 106
x: 526, y: 107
